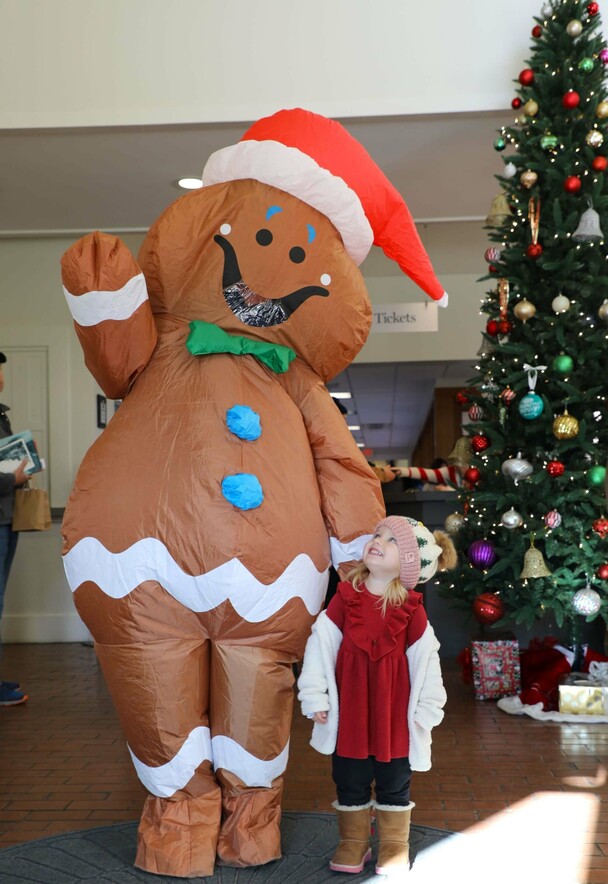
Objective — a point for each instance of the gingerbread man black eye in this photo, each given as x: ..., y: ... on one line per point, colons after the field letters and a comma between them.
x: 263, y: 237
x: 297, y: 254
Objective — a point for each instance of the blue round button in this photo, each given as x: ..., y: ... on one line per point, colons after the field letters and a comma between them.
x: 244, y: 422
x: 243, y: 490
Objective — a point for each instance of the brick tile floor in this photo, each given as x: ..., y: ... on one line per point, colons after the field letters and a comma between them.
x: 64, y: 764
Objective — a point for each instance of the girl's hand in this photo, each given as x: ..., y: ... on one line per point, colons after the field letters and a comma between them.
x: 320, y: 717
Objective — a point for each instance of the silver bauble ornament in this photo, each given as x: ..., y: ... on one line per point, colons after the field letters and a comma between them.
x: 546, y: 10
x: 560, y: 304
x: 594, y: 138
x: 510, y: 170
x: 574, y: 28
x: 517, y: 468
x: 453, y: 523
x: 586, y: 601
x: 511, y: 519
x: 603, y: 311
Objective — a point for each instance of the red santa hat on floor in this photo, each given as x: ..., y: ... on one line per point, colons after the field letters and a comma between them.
x: 317, y: 161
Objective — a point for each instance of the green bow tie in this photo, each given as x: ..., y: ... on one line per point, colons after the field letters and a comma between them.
x: 207, y: 338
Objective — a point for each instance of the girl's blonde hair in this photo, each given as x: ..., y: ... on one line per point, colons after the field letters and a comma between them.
x: 394, y: 595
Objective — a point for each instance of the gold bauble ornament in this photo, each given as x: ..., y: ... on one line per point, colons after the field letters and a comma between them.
x: 602, y: 110
x: 524, y: 310
x: 565, y: 426
x: 574, y: 28
x: 534, y: 564
x: 528, y: 178
x: 453, y: 523
x: 603, y: 311
x: 530, y: 108
x: 594, y: 138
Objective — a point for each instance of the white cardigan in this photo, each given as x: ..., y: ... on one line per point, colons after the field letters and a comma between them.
x: 318, y: 691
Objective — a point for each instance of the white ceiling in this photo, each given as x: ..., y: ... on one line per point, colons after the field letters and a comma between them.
x: 120, y: 179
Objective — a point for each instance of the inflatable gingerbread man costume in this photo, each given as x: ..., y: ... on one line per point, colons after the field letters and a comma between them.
x: 199, y: 533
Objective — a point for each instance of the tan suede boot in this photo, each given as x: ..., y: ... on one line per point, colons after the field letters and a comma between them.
x: 394, y: 838
x: 355, y: 828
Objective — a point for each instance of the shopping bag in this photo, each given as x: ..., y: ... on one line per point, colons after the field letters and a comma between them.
x: 31, y: 510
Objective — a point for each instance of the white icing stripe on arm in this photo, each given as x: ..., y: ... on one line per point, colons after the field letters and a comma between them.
x: 118, y: 574
x: 166, y: 779
x: 347, y: 552
x: 94, y: 307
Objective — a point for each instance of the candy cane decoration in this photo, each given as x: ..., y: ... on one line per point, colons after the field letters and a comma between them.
x: 442, y: 475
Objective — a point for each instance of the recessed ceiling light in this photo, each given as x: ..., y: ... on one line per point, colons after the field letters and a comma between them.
x: 188, y: 183
x: 360, y: 444
x: 341, y: 396
x: 354, y: 427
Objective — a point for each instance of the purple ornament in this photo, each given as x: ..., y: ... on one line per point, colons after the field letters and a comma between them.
x: 482, y: 554
x: 604, y: 56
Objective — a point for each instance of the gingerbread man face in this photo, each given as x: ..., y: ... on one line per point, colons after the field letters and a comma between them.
x: 257, y: 261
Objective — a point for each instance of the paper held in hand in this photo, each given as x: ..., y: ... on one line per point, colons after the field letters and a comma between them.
x: 13, y: 449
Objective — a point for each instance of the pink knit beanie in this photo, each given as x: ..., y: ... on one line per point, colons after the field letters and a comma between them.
x: 418, y: 550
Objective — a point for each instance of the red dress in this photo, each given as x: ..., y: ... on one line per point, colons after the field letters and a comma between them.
x: 372, y: 671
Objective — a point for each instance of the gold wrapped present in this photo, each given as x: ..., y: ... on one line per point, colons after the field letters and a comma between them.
x: 579, y: 695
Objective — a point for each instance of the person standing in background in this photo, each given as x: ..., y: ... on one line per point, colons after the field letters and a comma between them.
x: 10, y: 693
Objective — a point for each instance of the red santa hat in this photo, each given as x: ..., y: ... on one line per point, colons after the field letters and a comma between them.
x: 316, y: 160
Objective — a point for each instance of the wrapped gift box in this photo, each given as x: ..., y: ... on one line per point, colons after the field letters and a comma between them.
x: 496, y: 671
x: 580, y: 694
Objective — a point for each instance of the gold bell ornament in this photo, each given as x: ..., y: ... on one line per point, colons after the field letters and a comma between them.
x: 462, y: 454
x: 534, y: 563
x: 565, y: 426
x: 500, y: 211
x: 588, y: 229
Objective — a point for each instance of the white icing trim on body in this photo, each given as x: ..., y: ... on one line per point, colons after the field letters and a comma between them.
x: 94, y: 307
x: 118, y: 574
x: 166, y: 779
x: 293, y: 171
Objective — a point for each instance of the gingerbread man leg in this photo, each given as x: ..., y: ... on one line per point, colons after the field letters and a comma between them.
x: 155, y: 657
x: 251, y: 708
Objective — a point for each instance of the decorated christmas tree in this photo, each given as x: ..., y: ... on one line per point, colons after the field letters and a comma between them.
x: 530, y: 525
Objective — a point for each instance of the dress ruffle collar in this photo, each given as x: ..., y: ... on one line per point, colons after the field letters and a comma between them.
x: 396, y: 620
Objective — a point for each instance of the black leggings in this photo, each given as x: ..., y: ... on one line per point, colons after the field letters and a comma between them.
x: 354, y: 776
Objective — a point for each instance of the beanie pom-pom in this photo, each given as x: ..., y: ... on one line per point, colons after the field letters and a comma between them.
x: 449, y: 557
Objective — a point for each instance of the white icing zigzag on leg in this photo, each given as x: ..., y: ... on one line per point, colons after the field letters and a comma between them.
x: 166, y: 779
x: 118, y: 574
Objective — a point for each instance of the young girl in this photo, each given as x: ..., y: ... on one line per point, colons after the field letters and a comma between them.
x: 372, y: 683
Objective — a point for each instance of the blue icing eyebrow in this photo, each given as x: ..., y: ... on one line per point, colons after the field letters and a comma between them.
x: 311, y: 232
x: 273, y: 210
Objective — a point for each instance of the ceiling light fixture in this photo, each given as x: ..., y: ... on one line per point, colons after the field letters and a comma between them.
x: 360, y: 444
x: 341, y: 396
x: 354, y: 427
x: 189, y: 183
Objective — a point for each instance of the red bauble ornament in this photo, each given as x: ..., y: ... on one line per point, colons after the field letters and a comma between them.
x: 488, y: 608
x: 516, y: 103
x: 504, y: 327
x: 492, y: 327
x: 526, y: 77
x: 472, y: 475
x: 461, y: 397
x: 600, y: 526
x: 555, y: 468
x: 599, y: 164
x: 593, y: 8
x: 572, y: 184
x: 537, y: 31
x: 602, y: 572
x: 507, y: 395
x: 479, y: 443
x: 534, y: 250
x: 571, y: 100
x: 492, y: 268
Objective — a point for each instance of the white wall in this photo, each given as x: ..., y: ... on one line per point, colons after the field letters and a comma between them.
x: 121, y: 62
